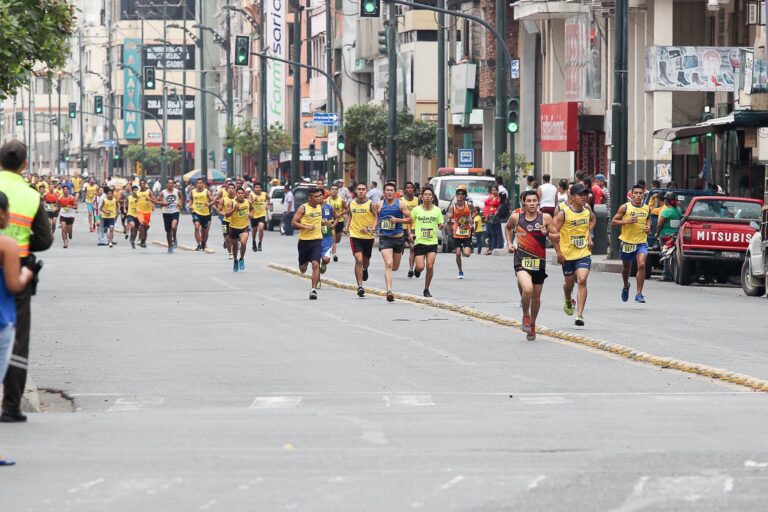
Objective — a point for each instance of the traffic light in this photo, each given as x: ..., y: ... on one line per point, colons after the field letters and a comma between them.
x: 311, y: 149
x: 242, y: 50
x: 72, y: 110
x: 513, y: 114
x: 19, y: 119
x: 212, y: 156
x: 229, y: 150
x: 149, y: 77
x: 370, y: 8
x: 116, y: 156
x: 383, y: 42
x: 340, y: 144
x: 98, y: 102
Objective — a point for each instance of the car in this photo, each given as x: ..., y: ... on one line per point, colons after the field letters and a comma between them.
x: 713, y: 238
x: 754, y: 270
x: 275, y: 213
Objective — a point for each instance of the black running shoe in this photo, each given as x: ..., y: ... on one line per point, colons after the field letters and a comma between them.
x: 360, y: 291
x: 335, y: 258
x: 410, y: 273
x: 426, y: 293
x: 365, y: 274
x: 390, y: 297
x: 417, y: 273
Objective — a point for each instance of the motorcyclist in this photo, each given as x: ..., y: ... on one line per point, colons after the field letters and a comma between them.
x: 667, y: 228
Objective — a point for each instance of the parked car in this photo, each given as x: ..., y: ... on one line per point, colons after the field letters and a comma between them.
x: 275, y: 214
x: 713, y: 238
x: 754, y: 270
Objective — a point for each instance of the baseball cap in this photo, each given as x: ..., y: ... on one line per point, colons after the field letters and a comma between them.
x: 463, y: 188
x: 600, y: 177
x: 578, y: 188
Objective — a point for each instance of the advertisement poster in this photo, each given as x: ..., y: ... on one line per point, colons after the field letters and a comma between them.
x: 132, y: 97
x: 559, y: 126
x: 276, y: 43
x: 582, y: 59
x: 692, y: 68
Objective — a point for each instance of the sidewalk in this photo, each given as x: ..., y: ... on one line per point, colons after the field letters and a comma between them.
x: 600, y: 262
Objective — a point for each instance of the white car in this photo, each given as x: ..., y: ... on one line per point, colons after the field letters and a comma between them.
x: 275, y: 214
x: 754, y: 270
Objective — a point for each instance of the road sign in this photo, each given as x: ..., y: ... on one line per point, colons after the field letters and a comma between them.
x: 109, y: 143
x: 325, y: 119
x: 514, y: 69
x: 466, y: 157
x: 223, y: 166
x: 333, y: 140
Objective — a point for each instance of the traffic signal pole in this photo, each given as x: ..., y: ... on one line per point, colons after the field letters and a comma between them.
x: 500, y: 134
x: 81, y: 156
x: 391, y: 165
x: 619, y: 129
x: 441, y: 124
x: 296, y: 142
x: 230, y: 85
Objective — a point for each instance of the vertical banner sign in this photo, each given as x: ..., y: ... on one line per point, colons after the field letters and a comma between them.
x: 132, y: 97
x: 276, y: 40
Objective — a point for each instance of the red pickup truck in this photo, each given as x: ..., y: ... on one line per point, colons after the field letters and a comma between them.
x: 713, y: 238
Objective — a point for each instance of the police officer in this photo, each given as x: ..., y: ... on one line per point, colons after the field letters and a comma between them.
x: 29, y: 226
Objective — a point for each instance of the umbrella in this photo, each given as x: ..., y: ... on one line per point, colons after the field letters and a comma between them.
x: 214, y: 175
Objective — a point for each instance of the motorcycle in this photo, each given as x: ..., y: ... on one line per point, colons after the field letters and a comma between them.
x: 667, y: 249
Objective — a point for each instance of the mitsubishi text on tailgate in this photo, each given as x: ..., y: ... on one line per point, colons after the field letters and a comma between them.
x: 713, y: 238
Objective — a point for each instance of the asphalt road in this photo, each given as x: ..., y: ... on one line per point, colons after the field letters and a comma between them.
x: 196, y: 388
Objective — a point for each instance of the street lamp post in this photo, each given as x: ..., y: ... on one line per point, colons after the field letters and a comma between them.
x: 296, y: 143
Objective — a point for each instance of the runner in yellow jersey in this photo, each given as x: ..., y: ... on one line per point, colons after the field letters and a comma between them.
x: 339, y: 209
x: 109, y: 215
x: 200, y: 201
x: 239, y: 211
x: 259, y: 204
x: 77, y: 186
x: 308, y: 219
x: 91, y: 191
x: 411, y: 201
x: 132, y: 215
x: 144, y: 209
x: 634, y: 217
x: 222, y: 205
x: 575, y: 223
x: 362, y: 220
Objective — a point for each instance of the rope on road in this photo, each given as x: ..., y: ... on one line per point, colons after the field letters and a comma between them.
x: 634, y: 354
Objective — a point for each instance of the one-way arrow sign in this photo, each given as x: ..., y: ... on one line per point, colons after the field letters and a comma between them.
x: 325, y: 119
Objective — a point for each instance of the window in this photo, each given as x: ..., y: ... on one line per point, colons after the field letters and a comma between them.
x: 42, y: 85
x: 719, y: 209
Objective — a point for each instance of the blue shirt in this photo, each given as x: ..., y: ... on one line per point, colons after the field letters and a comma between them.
x: 327, y: 210
x: 7, y: 304
x: 386, y: 226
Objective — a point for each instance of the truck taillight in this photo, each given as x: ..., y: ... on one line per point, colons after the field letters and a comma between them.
x: 687, y: 231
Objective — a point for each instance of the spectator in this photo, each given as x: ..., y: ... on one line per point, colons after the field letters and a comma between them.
x: 598, y: 189
x: 479, y: 230
x: 288, y: 211
x: 547, y: 193
x: 668, y: 227
x: 374, y: 194
x: 489, y: 212
x: 590, y: 198
x: 500, y: 185
x: 579, y: 177
x: 502, y: 215
x: 562, y: 192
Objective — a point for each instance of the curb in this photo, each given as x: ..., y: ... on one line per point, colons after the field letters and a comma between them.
x: 30, y: 401
x: 598, y: 265
x: 634, y: 354
x: 183, y: 247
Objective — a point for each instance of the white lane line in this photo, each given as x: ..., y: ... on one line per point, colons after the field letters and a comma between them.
x: 414, y: 400
x: 641, y: 484
x: 276, y: 402
x: 728, y: 484
x: 753, y: 464
x: 135, y: 404
x: 208, y: 505
x: 452, y: 482
x: 544, y: 400
x: 535, y: 482
x: 224, y: 283
x: 85, y: 486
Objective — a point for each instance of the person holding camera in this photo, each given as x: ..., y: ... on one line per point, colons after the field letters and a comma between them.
x: 29, y: 226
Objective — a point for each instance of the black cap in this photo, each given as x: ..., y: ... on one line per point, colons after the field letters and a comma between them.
x: 577, y: 188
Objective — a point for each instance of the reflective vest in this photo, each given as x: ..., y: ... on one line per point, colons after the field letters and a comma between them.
x: 23, y: 203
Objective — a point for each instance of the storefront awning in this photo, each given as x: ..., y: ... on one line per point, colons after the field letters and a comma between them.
x: 736, y: 119
x: 681, y: 132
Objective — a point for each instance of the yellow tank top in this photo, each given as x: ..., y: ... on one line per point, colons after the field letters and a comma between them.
x: 413, y: 203
x: 133, y: 204
x: 200, y: 202
x: 239, y: 218
x: 338, y: 206
x: 225, y: 202
x: 259, y: 202
x: 574, y: 235
x: 90, y: 192
x: 109, y: 209
x: 144, y: 205
x: 312, y: 215
x: 362, y: 217
x: 633, y: 234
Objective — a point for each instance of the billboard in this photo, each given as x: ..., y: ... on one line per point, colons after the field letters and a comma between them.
x: 276, y: 43
x: 153, y: 104
x: 169, y: 57
x: 157, y: 9
x: 691, y: 68
x: 132, y: 122
x: 582, y: 58
x: 559, y: 126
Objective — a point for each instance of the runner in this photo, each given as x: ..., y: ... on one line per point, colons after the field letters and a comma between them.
x: 91, y: 190
x: 363, y: 213
x: 68, y: 208
x: 479, y: 229
x: 427, y: 220
x: 224, y: 206
x: 329, y: 227
x: 411, y: 201
x: 531, y: 229
x: 200, y: 201
x: 575, y: 223
x: 51, y: 200
x: 144, y: 208
x: 77, y: 187
x: 238, y: 210
x: 108, y: 216
x: 170, y: 200
x: 634, y: 217
x: 122, y: 202
x: 259, y: 202
x: 218, y: 203
x: 308, y: 220
x: 392, y: 214
x: 132, y: 215
x: 339, y: 207
x: 460, y: 218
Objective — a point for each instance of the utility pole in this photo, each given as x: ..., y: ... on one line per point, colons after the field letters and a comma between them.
x: 31, y: 116
x: 391, y: 166
x: 164, y: 149
x: 203, y: 99
x: 263, y: 128
x: 110, y: 150
x: 58, y: 119
x: 500, y: 132
x: 295, y: 144
x: 81, y: 86
x: 330, y: 101
x: 230, y: 85
x: 184, y: 98
x: 619, y: 129
x: 50, y: 127
x: 441, y: 124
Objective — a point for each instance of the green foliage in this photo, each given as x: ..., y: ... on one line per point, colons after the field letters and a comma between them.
x: 34, y: 31
x: 151, y: 159
x: 247, y: 141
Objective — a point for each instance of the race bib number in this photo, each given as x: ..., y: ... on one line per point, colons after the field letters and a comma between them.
x: 579, y: 242
x: 387, y: 224
x: 200, y: 206
x: 224, y: 228
x: 65, y: 209
x: 242, y: 213
x: 50, y: 207
x: 427, y: 232
x: 462, y: 231
x: 326, y: 230
x: 531, y: 263
x: 628, y: 248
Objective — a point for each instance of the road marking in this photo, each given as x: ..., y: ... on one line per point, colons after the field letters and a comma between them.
x: 276, y: 402
x: 134, y: 404
x: 86, y: 486
x: 373, y: 432
x: 208, y: 505
x: 414, y: 400
x: 641, y: 484
x: 728, y: 484
x: 753, y: 464
x: 627, y: 352
x: 224, y: 283
x: 452, y: 482
x: 544, y: 400
x: 535, y: 482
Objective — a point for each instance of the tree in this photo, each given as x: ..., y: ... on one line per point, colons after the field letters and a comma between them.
x: 34, y: 31
x: 151, y: 158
